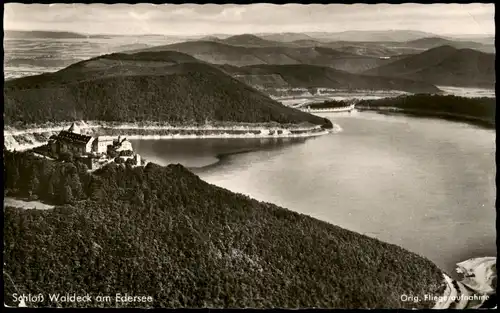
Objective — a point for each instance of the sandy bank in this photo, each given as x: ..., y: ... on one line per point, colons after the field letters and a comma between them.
x: 23, y: 204
x: 474, y: 289
x: 225, y: 135
x: 87, y: 125
x: 329, y: 110
x: 24, y: 139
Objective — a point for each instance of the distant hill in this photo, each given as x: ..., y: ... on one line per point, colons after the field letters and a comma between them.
x: 310, y: 76
x: 167, y: 86
x: 306, y: 43
x: 367, y: 48
x: 133, y: 46
x: 381, y: 43
x: 433, y: 42
x: 285, y: 37
x: 372, y: 36
x: 446, y: 66
x: 220, y: 53
x: 40, y: 34
x: 393, y: 48
x: 207, y: 38
x: 20, y: 34
x: 331, y: 49
x: 248, y: 40
x: 484, y: 39
x: 349, y: 48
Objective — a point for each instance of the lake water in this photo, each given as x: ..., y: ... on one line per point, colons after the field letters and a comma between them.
x: 425, y: 184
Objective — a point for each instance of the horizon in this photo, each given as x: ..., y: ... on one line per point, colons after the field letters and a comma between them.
x: 186, y: 20
x: 250, y: 33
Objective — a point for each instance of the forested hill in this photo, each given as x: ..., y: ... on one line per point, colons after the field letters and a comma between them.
x: 238, y: 55
x: 444, y: 66
x: 477, y: 110
x: 152, y: 86
x: 311, y: 76
x: 434, y: 42
x: 250, y: 40
x: 165, y: 233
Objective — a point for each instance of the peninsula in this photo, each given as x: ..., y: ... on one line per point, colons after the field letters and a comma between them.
x: 168, y: 94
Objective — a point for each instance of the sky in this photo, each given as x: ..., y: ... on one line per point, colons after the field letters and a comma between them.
x: 193, y: 19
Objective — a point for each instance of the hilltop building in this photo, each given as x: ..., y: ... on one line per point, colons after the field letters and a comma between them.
x: 100, y: 144
x: 72, y: 140
x: 68, y: 141
x: 94, y: 151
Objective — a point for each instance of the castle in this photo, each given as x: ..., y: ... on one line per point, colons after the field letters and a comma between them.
x: 93, y: 150
x: 72, y: 140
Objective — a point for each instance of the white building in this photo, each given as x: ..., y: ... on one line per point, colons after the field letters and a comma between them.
x: 100, y: 144
x: 72, y: 140
x: 122, y: 144
x: 137, y: 160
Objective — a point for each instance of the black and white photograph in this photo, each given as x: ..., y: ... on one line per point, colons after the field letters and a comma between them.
x: 257, y: 155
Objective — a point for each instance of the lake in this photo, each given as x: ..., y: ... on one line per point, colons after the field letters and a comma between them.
x: 424, y: 184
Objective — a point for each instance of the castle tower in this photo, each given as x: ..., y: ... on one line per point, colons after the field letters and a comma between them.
x: 74, y: 129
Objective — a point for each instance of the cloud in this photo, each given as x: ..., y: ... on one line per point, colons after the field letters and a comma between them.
x: 232, y: 14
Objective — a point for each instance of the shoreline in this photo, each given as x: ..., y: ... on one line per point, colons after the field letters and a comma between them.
x: 224, y: 156
x: 473, y: 290
x: 349, y: 109
x: 21, y: 140
x: 153, y: 125
x: 452, y: 117
x: 220, y: 158
x: 218, y: 136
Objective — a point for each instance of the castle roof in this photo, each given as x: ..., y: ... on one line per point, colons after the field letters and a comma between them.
x: 103, y: 139
x: 74, y: 128
x: 73, y: 138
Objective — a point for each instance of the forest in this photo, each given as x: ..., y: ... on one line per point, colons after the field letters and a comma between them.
x: 163, y: 232
x: 186, y: 94
x: 329, y: 104
x: 475, y: 110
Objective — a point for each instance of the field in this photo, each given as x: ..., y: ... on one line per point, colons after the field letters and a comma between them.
x: 25, y: 57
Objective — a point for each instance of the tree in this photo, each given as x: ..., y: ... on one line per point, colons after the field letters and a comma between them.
x: 13, y: 176
x: 66, y: 156
x: 76, y: 186
x: 96, y: 190
x: 66, y: 195
x: 139, y: 197
x: 130, y: 162
x: 33, y: 185
x: 112, y: 153
x: 50, y: 188
x: 126, y: 153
